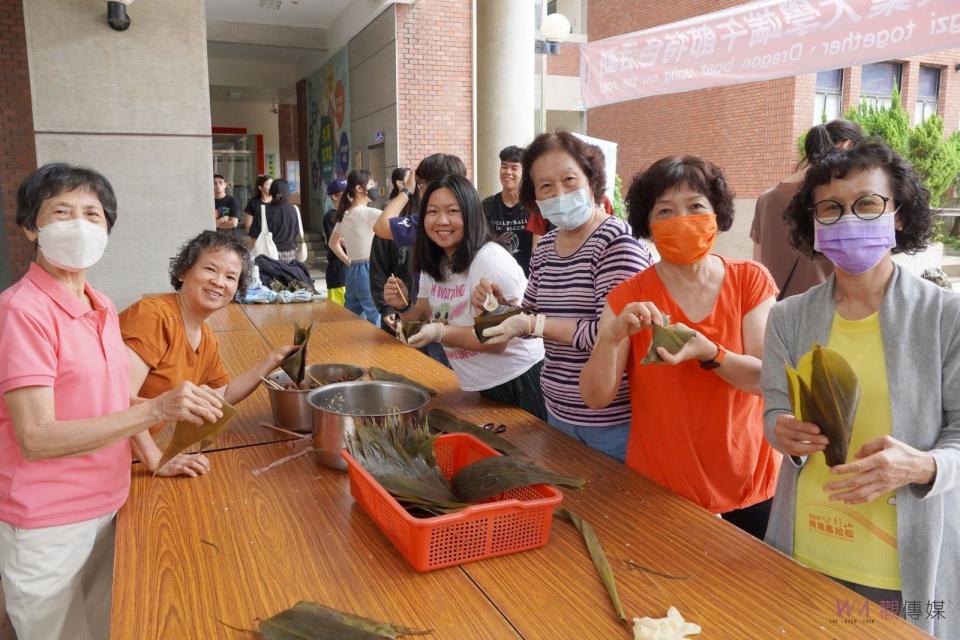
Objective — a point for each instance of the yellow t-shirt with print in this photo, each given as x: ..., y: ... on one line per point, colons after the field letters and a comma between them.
x: 858, y: 542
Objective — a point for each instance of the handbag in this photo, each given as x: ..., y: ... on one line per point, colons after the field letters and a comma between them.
x: 264, y: 246
x: 302, y: 249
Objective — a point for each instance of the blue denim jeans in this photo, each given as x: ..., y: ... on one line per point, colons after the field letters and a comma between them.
x: 357, y: 297
x: 611, y: 441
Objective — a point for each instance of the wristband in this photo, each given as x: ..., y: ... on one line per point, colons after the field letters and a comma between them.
x: 408, y: 192
x: 539, y: 325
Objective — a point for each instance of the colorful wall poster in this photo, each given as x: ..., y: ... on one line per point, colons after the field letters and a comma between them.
x: 328, y: 128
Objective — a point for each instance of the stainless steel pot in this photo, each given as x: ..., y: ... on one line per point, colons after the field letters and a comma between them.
x: 336, y: 405
x: 290, y: 407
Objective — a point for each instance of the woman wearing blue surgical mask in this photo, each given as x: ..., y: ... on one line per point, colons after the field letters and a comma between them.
x: 572, y: 270
x: 66, y: 420
x: 884, y: 521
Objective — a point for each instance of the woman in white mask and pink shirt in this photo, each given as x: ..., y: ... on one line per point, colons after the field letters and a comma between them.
x: 65, y: 413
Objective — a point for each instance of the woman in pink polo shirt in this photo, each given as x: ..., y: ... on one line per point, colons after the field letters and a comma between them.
x: 65, y: 414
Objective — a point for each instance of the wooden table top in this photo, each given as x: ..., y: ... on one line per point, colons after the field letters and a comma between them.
x: 232, y: 547
x: 294, y: 533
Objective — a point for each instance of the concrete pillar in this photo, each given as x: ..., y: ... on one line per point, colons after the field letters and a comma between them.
x: 135, y: 105
x: 506, y: 34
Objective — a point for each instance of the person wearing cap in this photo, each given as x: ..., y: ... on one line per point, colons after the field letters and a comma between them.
x: 336, y: 288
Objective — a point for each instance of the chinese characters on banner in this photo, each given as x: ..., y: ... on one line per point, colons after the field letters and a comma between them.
x: 763, y: 40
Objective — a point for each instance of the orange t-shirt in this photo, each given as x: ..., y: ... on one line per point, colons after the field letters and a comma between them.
x: 153, y: 328
x: 691, y: 431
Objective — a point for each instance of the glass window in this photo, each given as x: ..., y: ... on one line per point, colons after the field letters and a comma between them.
x: 928, y: 94
x: 827, y: 96
x: 877, y: 82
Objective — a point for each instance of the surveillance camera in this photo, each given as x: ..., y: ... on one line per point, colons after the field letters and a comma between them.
x: 275, y: 108
x: 117, y: 16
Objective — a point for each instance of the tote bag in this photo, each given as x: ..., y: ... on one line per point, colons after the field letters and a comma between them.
x: 264, y: 246
x: 302, y: 249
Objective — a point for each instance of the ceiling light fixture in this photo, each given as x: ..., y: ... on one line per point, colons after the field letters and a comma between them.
x: 271, y: 4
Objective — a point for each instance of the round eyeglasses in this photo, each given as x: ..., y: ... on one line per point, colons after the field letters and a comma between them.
x: 868, y: 207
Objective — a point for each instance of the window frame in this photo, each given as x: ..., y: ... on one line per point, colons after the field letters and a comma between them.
x: 921, y: 113
x: 827, y: 93
x: 873, y: 99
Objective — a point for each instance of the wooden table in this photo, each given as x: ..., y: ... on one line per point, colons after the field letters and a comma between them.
x: 235, y: 547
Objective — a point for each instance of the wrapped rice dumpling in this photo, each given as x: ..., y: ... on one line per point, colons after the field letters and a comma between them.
x: 295, y: 364
x: 488, y: 319
x: 829, y: 400
x: 186, y: 434
x: 406, y: 330
x: 671, y: 337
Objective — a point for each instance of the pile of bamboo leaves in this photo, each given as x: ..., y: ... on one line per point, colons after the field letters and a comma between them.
x: 398, y: 452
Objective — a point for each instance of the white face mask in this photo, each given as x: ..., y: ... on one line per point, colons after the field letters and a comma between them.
x: 569, y: 210
x: 72, y: 245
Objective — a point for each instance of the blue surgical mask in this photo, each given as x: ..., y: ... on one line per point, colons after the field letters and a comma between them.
x: 569, y: 210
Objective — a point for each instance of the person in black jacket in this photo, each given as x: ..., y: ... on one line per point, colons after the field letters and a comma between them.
x: 335, y: 277
x: 388, y: 258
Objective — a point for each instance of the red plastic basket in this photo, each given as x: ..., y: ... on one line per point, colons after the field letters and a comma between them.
x: 514, y: 521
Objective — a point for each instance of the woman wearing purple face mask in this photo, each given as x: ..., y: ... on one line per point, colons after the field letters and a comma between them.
x: 883, y: 523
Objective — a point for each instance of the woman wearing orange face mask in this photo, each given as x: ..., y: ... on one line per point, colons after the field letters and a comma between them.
x: 696, y: 419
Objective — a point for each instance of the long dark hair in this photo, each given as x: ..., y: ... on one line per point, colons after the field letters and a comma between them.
x: 430, y: 258
x: 356, y: 178
x: 279, y: 191
x: 821, y: 139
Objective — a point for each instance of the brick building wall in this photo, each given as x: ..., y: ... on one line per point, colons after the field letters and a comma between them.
x: 565, y: 63
x: 749, y: 129
x: 18, y: 157
x: 434, y: 81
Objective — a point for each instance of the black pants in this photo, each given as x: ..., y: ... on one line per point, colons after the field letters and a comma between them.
x: 523, y: 391
x: 752, y: 519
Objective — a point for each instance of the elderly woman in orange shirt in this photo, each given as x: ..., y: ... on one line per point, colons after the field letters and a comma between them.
x: 168, y: 340
x: 697, y: 422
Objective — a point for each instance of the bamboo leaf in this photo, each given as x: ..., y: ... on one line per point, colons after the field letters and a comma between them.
x: 834, y: 398
x: 492, y: 476
x: 295, y: 364
x: 595, y: 549
x: 312, y: 621
x: 670, y: 337
x: 186, y: 434
x: 445, y: 422
x: 382, y: 374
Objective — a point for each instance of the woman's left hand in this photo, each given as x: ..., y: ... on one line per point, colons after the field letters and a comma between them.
x: 516, y: 326
x: 186, y: 464
x: 697, y: 348
x: 431, y: 332
x: 882, y: 465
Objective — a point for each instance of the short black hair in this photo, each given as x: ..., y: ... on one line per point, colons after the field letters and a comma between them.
x: 430, y: 258
x: 587, y: 156
x: 217, y: 175
x: 438, y: 165
x: 208, y: 240
x: 58, y: 177
x: 912, y: 198
x: 701, y: 175
x: 513, y: 153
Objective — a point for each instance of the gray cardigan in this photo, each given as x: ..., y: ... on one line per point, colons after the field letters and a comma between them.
x: 920, y: 326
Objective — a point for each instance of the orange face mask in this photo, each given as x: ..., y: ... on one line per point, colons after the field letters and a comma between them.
x: 685, y: 239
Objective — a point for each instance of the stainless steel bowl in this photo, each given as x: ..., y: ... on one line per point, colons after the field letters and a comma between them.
x: 336, y: 405
x: 290, y: 407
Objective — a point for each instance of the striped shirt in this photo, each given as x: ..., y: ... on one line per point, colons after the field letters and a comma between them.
x: 576, y: 287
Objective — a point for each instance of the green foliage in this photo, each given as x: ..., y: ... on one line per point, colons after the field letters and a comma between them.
x: 935, y: 158
x: 619, y: 206
x: 891, y: 124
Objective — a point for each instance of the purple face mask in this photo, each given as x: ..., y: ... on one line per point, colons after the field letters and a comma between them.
x: 854, y: 245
